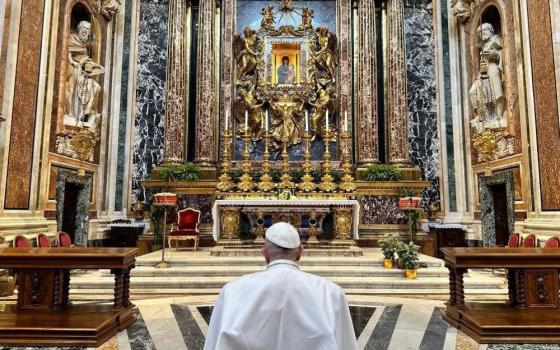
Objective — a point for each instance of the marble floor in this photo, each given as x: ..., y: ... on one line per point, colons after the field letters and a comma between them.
x: 380, y: 323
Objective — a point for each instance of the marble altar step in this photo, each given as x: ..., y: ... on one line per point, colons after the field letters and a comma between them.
x: 194, y: 282
x: 314, y: 251
x: 349, y: 271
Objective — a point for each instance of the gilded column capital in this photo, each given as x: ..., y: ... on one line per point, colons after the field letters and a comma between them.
x: 399, y: 146
x: 205, y: 145
x: 174, y: 134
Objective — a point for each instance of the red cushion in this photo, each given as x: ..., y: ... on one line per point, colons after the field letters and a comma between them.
x: 553, y: 242
x: 64, y: 240
x: 183, y: 233
x: 43, y: 241
x: 513, y: 241
x: 187, y: 219
x: 530, y: 241
x: 21, y: 242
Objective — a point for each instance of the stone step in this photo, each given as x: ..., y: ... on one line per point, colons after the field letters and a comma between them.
x: 258, y: 261
x: 138, y: 283
x: 349, y: 271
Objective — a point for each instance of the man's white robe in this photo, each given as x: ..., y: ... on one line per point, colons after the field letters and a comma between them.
x: 281, y: 308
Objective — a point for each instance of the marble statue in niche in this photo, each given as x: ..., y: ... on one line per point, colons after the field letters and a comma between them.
x: 82, y: 90
x: 487, y: 92
x: 491, y: 139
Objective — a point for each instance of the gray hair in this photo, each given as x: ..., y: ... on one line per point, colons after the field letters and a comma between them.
x: 276, y: 252
x: 83, y: 24
x: 485, y: 26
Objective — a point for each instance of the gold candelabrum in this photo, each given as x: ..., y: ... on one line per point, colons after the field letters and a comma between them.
x: 286, y: 179
x: 307, y: 184
x: 225, y: 184
x: 327, y: 181
x: 347, y: 183
x: 266, y: 184
x: 246, y: 183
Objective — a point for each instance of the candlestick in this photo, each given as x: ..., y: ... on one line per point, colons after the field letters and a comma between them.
x: 345, y: 121
x: 307, y: 184
x: 327, y: 121
x: 347, y: 183
x: 266, y: 120
x: 246, y: 121
x: 327, y: 181
x: 306, y: 121
x: 266, y: 184
x: 227, y: 120
x: 225, y: 184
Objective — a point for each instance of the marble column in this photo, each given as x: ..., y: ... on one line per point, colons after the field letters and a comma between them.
x: 174, y: 138
x: 399, y: 147
x: 228, y: 32
x: 345, y: 81
x: 367, y: 82
x: 205, y: 147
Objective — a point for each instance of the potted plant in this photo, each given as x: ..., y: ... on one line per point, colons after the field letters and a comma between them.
x: 400, y: 249
x: 408, y: 199
x: 388, y: 245
x: 382, y: 172
x: 179, y: 172
x: 409, y: 257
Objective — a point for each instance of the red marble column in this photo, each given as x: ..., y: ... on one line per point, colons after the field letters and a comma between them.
x: 367, y: 140
x: 228, y: 31
x: 399, y: 147
x: 345, y: 30
x: 174, y: 138
x: 205, y: 147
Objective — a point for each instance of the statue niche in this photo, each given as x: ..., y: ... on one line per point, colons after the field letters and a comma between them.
x: 491, y: 139
x: 79, y: 121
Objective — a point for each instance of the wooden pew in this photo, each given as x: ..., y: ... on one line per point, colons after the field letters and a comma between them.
x: 532, y: 314
x: 44, y: 314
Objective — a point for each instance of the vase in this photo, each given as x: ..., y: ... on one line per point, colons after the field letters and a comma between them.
x: 388, y: 263
x: 410, y: 274
x: 409, y: 202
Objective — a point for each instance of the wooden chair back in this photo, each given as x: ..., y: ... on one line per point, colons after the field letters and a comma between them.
x: 64, y: 240
x: 553, y: 242
x: 513, y: 241
x: 22, y: 242
x: 530, y: 241
x: 43, y: 241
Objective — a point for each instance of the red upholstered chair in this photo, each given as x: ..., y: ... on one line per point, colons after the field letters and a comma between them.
x: 530, y: 241
x: 43, y: 241
x: 553, y: 242
x: 64, y: 240
x: 514, y: 240
x: 187, y: 227
x: 21, y: 242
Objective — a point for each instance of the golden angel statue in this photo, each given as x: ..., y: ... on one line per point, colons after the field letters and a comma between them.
x: 324, y: 102
x: 268, y: 19
x: 323, y: 53
x: 248, y: 102
x: 247, y: 50
x: 306, y: 19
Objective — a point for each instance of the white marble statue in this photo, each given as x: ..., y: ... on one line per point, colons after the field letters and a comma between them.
x: 487, y: 92
x: 82, y: 89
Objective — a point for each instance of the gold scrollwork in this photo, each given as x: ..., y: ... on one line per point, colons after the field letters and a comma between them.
x: 230, y: 222
x: 343, y: 223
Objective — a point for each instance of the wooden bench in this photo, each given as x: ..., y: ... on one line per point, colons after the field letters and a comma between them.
x: 44, y: 315
x: 532, y: 314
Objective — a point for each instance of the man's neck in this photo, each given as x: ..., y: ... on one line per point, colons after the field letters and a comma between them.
x: 282, y: 262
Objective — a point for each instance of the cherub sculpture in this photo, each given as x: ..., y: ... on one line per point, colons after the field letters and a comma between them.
x: 268, y: 19
x: 324, y: 50
x: 247, y: 50
x: 324, y: 101
x: 248, y: 102
x: 306, y: 19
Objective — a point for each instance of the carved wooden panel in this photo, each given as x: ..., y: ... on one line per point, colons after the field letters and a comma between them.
x: 541, y: 288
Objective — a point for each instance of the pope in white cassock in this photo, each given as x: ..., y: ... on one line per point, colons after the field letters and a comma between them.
x: 281, y: 308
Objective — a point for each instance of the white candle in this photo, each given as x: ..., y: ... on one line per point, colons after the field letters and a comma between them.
x: 227, y: 120
x: 306, y: 121
x: 246, y: 120
x: 327, y: 120
x: 345, y: 121
x: 266, y: 120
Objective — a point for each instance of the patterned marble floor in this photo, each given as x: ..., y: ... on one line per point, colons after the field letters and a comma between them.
x: 380, y: 323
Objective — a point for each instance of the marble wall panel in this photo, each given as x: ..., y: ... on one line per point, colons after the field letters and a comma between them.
x: 421, y: 91
x: 200, y: 202
x: 150, y: 94
x: 20, y: 156
x: 377, y: 210
x: 546, y: 103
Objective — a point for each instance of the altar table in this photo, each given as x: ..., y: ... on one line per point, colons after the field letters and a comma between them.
x: 44, y: 315
x: 222, y: 205
x: 532, y: 314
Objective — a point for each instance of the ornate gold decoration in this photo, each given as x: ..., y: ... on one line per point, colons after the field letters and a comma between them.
x: 83, y: 141
x: 230, y: 219
x: 342, y: 222
x: 268, y: 20
x: 306, y: 19
x: 286, y: 179
x: 260, y: 230
x: 266, y: 184
x: 225, y: 184
x: 327, y: 181
x: 307, y: 183
x: 347, y: 183
x: 246, y: 183
x: 313, y: 228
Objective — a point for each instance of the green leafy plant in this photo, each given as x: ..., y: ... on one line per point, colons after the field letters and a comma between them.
x: 408, y: 254
x: 408, y: 192
x: 296, y: 174
x: 336, y: 175
x: 382, y: 172
x: 389, y: 244
x: 317, y: 174
x: 179, y: 172
x: 276, y: 174
x: 256, y: 175
x: 235, y: 175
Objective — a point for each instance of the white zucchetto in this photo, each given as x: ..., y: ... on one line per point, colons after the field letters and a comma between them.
x: 283, y: 235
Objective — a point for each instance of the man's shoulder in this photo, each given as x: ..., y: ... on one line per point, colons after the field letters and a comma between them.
x: 321, y: 281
